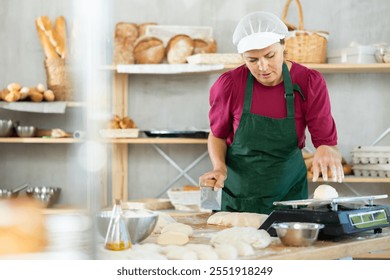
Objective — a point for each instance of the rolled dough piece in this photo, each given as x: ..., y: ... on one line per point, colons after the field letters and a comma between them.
x: 256, y: 238
x: 178, y: 227
x: 323, y: 192
x: 237, y: 219
x: 172, y: 238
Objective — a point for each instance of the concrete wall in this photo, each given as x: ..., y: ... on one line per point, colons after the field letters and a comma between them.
x: 359, y: 101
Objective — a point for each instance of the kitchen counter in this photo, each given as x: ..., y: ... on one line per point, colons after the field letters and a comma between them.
x: 346, y: 247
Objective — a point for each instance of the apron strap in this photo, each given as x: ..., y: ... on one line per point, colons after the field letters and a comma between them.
x: 248, y: 93
x: 288, y: 91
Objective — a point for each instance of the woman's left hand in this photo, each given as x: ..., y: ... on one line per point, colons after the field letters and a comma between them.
x: 328, y: 157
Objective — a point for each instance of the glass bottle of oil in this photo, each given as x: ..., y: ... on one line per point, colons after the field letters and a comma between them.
x: 117, y: 237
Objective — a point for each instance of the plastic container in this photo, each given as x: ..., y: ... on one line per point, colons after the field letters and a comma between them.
x: 357, y: 54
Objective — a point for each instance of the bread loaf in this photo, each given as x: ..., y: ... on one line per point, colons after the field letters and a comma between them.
x: 149, y: 50
x: 125, y: 36
x: 179, y: 48
x: 205, y: 46
x: 43, y: 26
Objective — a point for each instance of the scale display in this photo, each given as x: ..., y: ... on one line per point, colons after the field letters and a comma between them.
x: 368, y: 219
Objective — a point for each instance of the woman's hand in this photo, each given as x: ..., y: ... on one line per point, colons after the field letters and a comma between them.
x: 215, y: 179
x: 328, y: 157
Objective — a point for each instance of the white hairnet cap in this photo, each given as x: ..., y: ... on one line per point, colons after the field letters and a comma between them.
x: 258, y: 30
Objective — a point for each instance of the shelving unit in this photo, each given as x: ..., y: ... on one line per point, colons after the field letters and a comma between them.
x: 120, y: 105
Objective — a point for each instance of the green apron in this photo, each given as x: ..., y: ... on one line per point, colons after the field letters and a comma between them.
x: 264, y: 162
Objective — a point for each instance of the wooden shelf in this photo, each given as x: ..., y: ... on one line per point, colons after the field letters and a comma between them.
x: 156, y: 141
x: 356, y: 179
x: 191, y: 68
x: 38, y: 140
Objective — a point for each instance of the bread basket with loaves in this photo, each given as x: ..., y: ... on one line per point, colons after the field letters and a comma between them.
x: 304, y: 46
x: 53, y: 40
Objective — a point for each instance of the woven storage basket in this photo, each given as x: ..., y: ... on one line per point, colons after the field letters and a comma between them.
x: 58, y: 79
x: 304, y: 46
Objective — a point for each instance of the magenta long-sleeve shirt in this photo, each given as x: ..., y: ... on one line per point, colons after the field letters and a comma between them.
x: 227, y: 99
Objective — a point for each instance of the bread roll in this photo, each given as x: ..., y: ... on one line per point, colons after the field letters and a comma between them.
x: 125, y: 36
x: 149, y: 50
x: 204, y: 46
x: 179, y: 48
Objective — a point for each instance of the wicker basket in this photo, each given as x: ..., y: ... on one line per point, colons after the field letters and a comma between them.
x: 304, y: 46
x: 58, y: 79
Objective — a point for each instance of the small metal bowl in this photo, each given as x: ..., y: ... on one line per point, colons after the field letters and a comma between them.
x: 47, y: 195
x: 297, y: 234
x: 6, y: 128
x: 140, y: 223
x: 26, y: 131
x: 6, y: 193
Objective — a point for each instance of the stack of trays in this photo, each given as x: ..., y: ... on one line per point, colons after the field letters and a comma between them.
x: 371, y: 161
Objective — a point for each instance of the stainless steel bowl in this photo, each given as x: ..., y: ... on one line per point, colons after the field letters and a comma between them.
x: 6, y: 128
x: 26, y: 131
x: 140, y: 223
x: 6, y: 193
x: 297, y: 234
x: 47, y: 195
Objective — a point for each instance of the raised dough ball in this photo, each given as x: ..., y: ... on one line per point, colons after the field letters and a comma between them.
x: 323, y: 192
x: 180, y: 253
x: 237, y: 219
x: 163, y: 221
x: 172, y: 238
x: 244, y: 249
x: 256, y: 238
x: 178, y: 227
x: 226, y: 251
x: 203, y: 251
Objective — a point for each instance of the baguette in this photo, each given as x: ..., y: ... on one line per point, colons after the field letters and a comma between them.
x: 47, y: 46
x: 59, y: 33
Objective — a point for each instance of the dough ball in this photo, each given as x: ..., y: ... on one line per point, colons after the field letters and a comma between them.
x: 204, y: 251
x: 256, y: 238
x: 226, y: 251
x: 244, y: 249
x: 163, y: 221
x: 237, y: 219
x: 323, y: 192
x: 172, y: 238
x: 180, y: 253
x: 178, y: 227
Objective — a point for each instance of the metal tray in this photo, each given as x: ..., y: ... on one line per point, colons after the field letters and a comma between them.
x: 177, y: 133
x: 317, y: 202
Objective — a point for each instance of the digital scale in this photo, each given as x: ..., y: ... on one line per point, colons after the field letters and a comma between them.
x: 340, y: 216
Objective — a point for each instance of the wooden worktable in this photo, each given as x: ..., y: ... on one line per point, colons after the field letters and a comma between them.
x: 322, y: 250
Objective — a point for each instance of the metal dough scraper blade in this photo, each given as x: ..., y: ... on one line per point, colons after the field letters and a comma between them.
x: 210, y: 199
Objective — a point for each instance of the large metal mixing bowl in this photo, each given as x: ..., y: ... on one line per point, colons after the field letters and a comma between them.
x: 297, y: 234
x: 140, y: 223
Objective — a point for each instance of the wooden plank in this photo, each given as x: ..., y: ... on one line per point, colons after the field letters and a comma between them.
x: 158, y: 141
x: 39, y: 140
x: 119, y: 182
x: 119, y: 172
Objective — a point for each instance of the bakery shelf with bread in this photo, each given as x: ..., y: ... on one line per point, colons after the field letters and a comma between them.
x: 150, y: 43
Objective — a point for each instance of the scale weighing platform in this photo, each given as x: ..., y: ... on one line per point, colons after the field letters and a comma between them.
x: 340, y: 216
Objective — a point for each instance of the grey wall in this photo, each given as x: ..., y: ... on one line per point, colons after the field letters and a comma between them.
x: 359, y: 101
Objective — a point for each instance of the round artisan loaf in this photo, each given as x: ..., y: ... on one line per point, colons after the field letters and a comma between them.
x: 205, y: 46
x: 149, y: 50
x: 179, y: 48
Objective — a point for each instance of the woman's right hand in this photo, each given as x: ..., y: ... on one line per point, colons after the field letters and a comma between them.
x: 215, y: 179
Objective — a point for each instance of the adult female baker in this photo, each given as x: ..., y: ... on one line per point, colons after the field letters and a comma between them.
x: 258, y: 116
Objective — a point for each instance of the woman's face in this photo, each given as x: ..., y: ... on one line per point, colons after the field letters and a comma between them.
x: 266, y: 64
